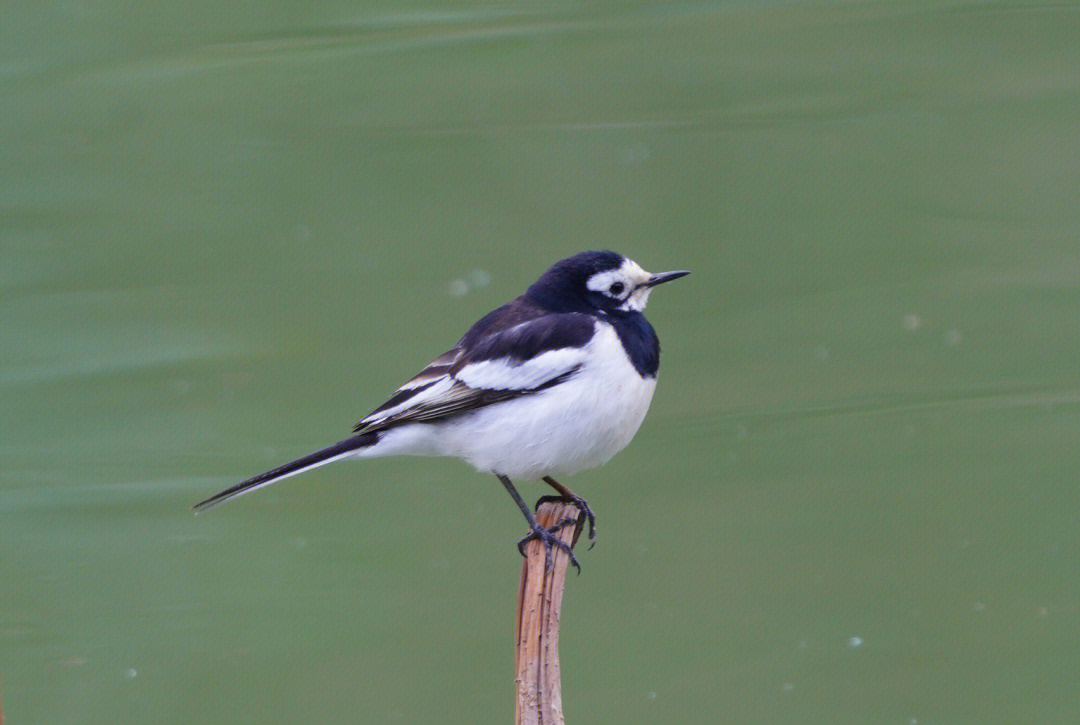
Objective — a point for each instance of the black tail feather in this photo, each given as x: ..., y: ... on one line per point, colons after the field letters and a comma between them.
x: 312, y: 460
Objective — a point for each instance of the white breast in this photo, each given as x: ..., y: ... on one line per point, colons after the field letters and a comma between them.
x: 576, y: 425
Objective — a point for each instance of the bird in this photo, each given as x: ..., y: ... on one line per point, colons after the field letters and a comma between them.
x: 554, y: 382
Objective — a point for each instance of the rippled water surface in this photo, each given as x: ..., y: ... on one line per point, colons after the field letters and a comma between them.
x: 228, y: 231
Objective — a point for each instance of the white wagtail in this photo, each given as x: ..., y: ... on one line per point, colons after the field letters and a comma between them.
x: 554, y: 382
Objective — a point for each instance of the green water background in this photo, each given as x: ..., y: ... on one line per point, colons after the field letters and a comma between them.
x: 227, y: 231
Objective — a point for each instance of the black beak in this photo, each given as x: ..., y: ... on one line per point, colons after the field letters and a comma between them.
x: 665, y: 277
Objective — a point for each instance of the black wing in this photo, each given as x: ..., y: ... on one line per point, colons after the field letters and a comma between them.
x: 520, y: 360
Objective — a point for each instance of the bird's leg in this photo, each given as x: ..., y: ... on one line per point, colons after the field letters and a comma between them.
x: 536, y: 530
x: 582, y: 505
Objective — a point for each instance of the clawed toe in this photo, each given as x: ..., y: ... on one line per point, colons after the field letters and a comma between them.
x: 582, y: 506
x: 536, y: 531
x: 547, y: 536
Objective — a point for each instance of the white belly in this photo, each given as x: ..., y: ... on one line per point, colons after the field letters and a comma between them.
x: 579, y: 424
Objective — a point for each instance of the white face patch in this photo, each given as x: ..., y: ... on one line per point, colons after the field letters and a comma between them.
x: 637, y: 300
x: 624, y: 283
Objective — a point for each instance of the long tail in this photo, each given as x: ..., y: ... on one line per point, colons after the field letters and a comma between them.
x: 312, y: 460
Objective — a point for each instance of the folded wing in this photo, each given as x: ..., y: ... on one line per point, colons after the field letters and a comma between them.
x: 521, y: 360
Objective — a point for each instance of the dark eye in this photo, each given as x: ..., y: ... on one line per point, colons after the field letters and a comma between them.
x: 616, y: 289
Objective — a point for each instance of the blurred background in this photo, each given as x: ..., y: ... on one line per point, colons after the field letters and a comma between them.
x: 228, y: 231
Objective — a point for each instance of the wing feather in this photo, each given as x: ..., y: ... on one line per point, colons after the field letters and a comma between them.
x: 525, y: 359
x: 405, y: 396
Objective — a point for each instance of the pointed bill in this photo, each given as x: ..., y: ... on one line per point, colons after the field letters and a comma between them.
x: 662, y: 277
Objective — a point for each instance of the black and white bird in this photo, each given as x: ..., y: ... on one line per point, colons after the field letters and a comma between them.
x: 551, y: 383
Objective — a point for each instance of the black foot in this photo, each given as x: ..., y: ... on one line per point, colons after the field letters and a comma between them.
x: 583, y: 506
x: 548, y: 537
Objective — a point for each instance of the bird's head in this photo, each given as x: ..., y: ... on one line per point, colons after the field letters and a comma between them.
x: 603, y: 281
